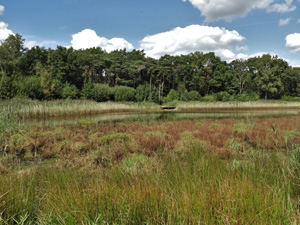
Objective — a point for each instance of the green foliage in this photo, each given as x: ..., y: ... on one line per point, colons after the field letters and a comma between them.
x: 123, y: 93
x: 29, y: 87
x: 6, y: 87
x: 223, y: 96
x: 193, y: 96
x: 114, y: 137
x: 267, y: 76
x: 70, y: 91
x: 290, y: 99
x: 87, y: 90
x: 245, y: 97
x: 172, y: 96
x: 101, y: 92
x: 208, y: 98
x: 142, y: 93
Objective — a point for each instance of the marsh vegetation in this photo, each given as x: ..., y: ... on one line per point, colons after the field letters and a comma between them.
x: 188, y: 171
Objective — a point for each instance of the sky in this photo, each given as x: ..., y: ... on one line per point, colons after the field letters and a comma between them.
x: 233, y: 29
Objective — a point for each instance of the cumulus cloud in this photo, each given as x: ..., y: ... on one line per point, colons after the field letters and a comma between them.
x: 4, y: 31
x: 224, y: 9
x: 88, y: 39
x: 283, y: 22
x: 190, y: 39
x: 283, y: 7
x: 293, y: 42
x: 1, y: 9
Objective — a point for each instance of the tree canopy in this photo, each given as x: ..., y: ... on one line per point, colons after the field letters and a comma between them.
x: 41, y: 73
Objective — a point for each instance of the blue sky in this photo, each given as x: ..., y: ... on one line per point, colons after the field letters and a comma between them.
x: 230, y: 28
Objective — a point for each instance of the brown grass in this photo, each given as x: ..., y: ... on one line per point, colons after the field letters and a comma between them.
x: 107, y: 143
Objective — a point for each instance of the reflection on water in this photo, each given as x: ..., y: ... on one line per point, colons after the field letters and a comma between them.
x: 165, y: 115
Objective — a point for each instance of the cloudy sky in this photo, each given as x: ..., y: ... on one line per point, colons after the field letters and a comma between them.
x: 230, y: 28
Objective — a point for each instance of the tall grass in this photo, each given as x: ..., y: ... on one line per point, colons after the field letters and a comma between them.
x: 237, y: 105
x: 26, y: 108
x: 196, y: 188
x: 172, y: 172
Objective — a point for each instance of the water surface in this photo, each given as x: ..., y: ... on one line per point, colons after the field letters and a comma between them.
x: 163, y: 115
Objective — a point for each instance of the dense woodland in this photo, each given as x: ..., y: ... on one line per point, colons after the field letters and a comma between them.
x: 60, y: 73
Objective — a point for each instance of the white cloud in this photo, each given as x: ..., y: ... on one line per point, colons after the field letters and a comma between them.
x: 283, y: 7
x: 1, y: 9
x: 293, y: 42
x: 190, y: 39
x: 298, y: 21
x: 88, y: 39
x: 31, y: 44
x: 4, y: 31
x: 292, y: 63
x: 283, y: 22
x: 229, y: 9
x: 241, y: 48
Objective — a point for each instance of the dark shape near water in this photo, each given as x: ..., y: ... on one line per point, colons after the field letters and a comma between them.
x: 168, y: 107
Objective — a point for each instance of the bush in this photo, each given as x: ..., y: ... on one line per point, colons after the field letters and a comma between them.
x: 70, y: 91
x: 208, y: 98
x: 193, y: 96
x: 86, y: 92
x: 30, y: 87
x: 6, y: 88
x: 172, y: 96
x: 142, y: 93
x: 290, y: 99
x: 123, y: 93
x: 245, y: 97
x: 223, y: 96
x: 101, y: 92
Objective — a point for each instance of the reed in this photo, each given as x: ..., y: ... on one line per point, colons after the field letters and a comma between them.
x: 25, y: 108
x: 255, y: 105
x: 229, y: 171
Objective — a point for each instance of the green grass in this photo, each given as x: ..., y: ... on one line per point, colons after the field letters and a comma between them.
x: 196, y: 188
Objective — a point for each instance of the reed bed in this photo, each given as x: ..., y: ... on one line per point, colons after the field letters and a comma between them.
x: 25, y: 108
x: 255, y: 105
x: 209, y: 171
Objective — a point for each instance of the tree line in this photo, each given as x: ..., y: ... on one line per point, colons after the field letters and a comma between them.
x: 46, y: 74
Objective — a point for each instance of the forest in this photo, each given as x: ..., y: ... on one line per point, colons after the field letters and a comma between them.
x: 120, y: 75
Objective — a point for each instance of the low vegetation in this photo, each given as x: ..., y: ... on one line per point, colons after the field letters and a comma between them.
x: 209, y: 171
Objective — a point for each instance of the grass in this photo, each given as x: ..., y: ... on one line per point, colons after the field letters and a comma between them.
x: 254, y: 105
x: 229, y: 171
x: 25, y: 108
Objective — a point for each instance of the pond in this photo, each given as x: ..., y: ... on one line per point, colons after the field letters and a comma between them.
x: 163, y: 115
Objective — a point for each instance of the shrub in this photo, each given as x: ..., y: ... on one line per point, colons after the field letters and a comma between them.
x: 123, y: 93
x: 101, y: 92
x: 208, y: 98
x: 30, y: 87
x: 290, y: 99
x: 70, y: 91
x: 223, y: 96
x: 142, y: 93
x: 193, y: 96
x: 6, y: 88
x: 172, y: 96
x: 86, y: 92
x: 244, y: 97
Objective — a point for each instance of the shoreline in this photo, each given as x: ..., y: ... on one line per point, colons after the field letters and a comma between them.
x: 26, y: 109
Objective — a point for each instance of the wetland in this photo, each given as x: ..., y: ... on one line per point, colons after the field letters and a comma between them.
x: 156, y: 167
